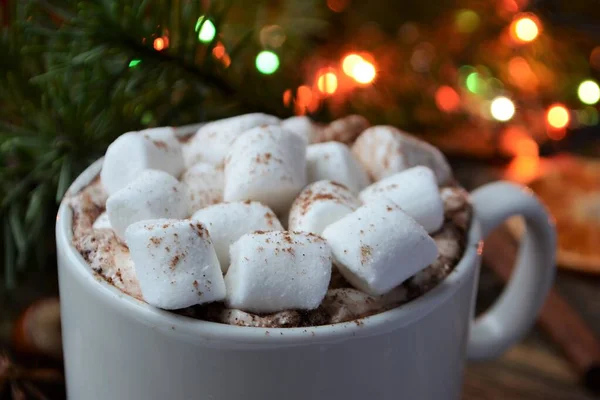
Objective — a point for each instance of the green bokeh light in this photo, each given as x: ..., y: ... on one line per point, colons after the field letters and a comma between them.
x: 267, y: 62
x: 467, y: 21
x: 588, y: 116
x: 134, y: 62
x: 206, y: 30
x: 473, y: 82
x: 588, y: 92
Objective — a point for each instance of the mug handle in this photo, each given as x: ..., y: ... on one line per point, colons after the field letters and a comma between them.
x: 515, y: 311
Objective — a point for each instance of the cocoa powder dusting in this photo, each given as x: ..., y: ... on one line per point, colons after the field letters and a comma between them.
x: 365, y: 253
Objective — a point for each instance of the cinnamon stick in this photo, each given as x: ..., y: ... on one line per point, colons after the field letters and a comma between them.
x: 558, y: 319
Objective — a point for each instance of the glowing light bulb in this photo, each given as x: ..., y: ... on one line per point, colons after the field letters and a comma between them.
x: 472, y: 82
x: 588, y: 92
x: 466, y: 21
x: 525, y: 29
x: 327, y: 82
x: 267, y: 62
x: 502, y: 108
x: 349, y: 62
x: 447, y: 99
x: 558, y: 117
x: 364, y: 72
x: 161, y: 43
x: 134, y: 62
x: 206, y: 30
x: 287, y: 97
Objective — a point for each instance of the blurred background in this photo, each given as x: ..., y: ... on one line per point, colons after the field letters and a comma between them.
x: 508, y: 89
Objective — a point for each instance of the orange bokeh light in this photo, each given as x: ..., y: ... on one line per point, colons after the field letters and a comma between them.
x: 337, y: 5
x: 364, y: 72
x: 304, y: 96
x: 287, y: 97
x: 525, y: 28
x: 523, y: 169
x: 327, y: 82
x: 218, y: 51
x: 349, y: 62
x: 161, y: 43
x: 558, y: 117
x: 447, y: 99
x: 515, y: 141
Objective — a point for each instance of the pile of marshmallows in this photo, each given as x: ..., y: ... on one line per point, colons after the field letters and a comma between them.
x: 237, y: 176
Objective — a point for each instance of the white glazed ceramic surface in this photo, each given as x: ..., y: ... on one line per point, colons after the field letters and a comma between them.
x: 117, y: 347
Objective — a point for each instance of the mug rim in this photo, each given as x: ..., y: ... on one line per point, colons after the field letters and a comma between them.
x: 199, y: 330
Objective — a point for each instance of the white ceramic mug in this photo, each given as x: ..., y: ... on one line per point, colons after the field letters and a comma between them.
x: 117, y: 347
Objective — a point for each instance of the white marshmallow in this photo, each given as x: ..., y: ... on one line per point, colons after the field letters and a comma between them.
x: 175, y: 263
x: 266, y: 164
x: 319, y: 205
x: 205, y: 185
x: 279, y: 270
x: 379, y: 246
x: 345, y: 129
x: 133, y: 152
x: 385, y: 150
x: 415, y: 190
x: 154, y: 194
x: 211, y: 142
x: 304, y: 127
x: 227, y: 222
x: 102, y: 222
x: 334, y: 161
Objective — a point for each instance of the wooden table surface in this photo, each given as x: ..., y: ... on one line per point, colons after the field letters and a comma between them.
x: 534, y: 369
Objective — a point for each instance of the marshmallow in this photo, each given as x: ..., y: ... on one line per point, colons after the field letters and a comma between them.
x: 319, y: 205
x: 267, y: 164
x: 102, y: 222
x: 175, y: 262
x: 415, y: 191
x: 154, y: 194
x: 304, y: 127
x: 334, y: 161
x: 133, y: 152
x: 276, y: 271
x: 227, y: 222
x: 379, y: 246
x: 344, y: 130
x: 205, y: 185
x: 385, y: 150
x: 211, y: 142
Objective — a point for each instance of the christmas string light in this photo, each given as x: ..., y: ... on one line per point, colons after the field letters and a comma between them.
x: 447, y: 99
x: 134, y: 62
x: 327, y: 82
x: 588, y: 92
x: 206, y: 29
x: 502, y: 108
x: 466, y: 21
x: 267, y: 62
x: 161, y: 43
x: 525, y: 28
x: 558, y: 118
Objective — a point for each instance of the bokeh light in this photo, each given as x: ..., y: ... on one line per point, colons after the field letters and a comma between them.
x: 272, y: 36
x: 337, y: 5
x: 525, y: 28
x: 161, y: 43
x: 472, y: 82
x: 349, y: 62
x: 218, y: 51
x: 521, y: 73
x: 327, y: 82
x: 558, y: 117
x: 588, y: 92
x: 287, y: 97
x: 447, y: 99
x: 206, y: 30
x: 466, y: 21
x: 267, y: 62
x: 364, y: 72
x: 134, y: 62
x: 502, y: 108
x: 588, y: 116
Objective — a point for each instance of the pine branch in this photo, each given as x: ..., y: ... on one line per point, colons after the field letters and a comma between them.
x: 69, y: 91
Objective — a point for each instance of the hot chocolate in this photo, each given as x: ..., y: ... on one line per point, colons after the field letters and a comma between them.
x: 279, y: 224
